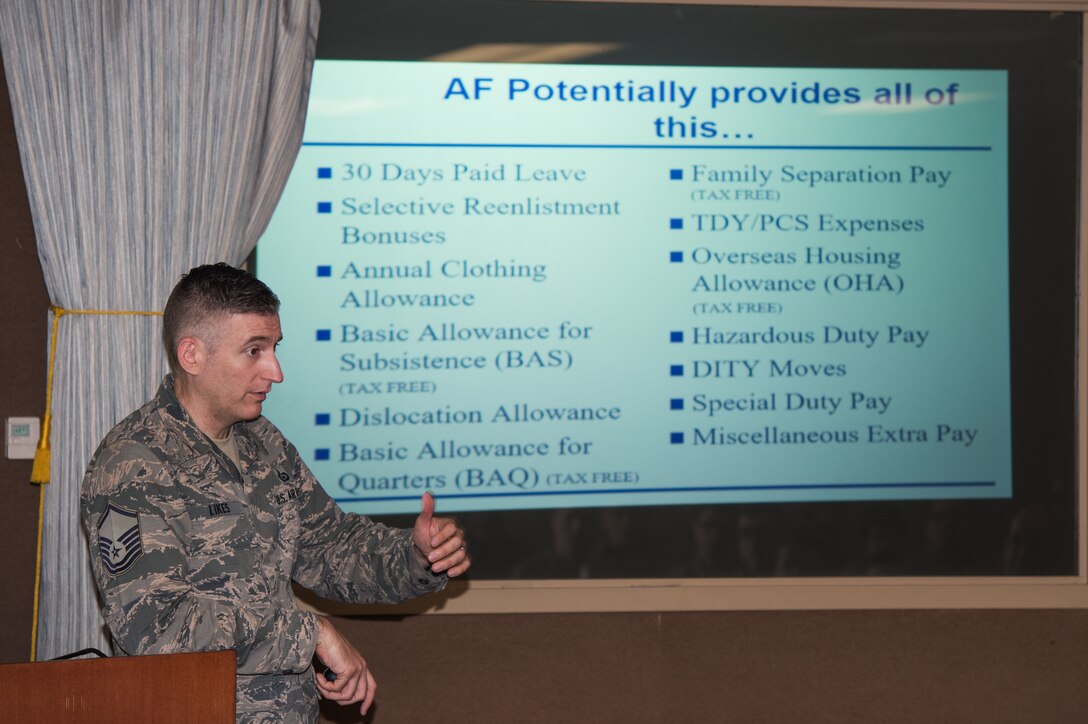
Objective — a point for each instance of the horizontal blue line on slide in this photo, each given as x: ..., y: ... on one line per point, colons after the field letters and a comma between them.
x: 720, y: 488
x: 344, y: 144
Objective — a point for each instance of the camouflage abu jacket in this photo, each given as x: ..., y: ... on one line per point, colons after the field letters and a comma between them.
x: 192, y: 554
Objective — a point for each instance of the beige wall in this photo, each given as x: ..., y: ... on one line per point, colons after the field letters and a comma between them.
x: 880, y: 666
x: 871, y: 667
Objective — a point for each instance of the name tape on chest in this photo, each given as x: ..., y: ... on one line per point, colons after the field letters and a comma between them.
x: 216, y: 508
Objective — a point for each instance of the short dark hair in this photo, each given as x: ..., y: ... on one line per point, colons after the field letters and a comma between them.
x: 206, y: 294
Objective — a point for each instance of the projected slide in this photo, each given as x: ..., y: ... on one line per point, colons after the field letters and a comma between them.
x: 537, y: 286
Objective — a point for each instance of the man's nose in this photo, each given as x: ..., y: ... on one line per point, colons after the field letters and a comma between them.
x: 273, y: 372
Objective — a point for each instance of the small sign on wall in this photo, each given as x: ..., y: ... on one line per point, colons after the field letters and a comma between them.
x: 21, y: 437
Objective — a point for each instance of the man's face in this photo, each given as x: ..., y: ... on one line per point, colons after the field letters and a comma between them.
x: 239, y: 370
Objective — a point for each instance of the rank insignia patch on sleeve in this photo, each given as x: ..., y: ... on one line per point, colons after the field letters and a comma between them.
x: 119, y: 539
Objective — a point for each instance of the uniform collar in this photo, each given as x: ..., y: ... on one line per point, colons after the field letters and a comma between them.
x: 188, y: 433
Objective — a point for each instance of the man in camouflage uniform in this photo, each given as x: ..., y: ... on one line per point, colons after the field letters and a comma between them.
x: 200, y: 513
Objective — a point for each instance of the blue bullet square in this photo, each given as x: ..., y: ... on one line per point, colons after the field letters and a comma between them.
x: 324, y: 271
x: 324, y: 207
x: 324, y: 172
x: 322, y: 418
x: 676, y: 256
x: 322, y: 453
x: 676, y: 337
x: 676, y: 370
x: 324, y: 335
x: 676, y: 403
x: 676, y: 175
x: 676, y: 438
x: 676, y: 223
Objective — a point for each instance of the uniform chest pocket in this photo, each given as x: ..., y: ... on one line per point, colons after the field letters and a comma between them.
x: 224, y: 559
x: 219, y: 527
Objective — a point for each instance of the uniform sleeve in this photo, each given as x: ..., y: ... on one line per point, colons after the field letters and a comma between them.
x: 170, y: 588
x: 348, y: 557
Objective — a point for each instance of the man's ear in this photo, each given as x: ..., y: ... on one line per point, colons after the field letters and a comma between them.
x: 192, y: 354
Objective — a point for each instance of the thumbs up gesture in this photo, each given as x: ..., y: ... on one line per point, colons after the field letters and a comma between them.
x: 440, y: 541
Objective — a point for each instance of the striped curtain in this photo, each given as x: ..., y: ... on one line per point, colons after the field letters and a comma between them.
x: 155, y: 136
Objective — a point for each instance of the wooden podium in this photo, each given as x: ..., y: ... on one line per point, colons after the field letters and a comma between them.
x: 168, y: 688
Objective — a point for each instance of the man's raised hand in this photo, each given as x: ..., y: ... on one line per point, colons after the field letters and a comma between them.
x: 440, y: 541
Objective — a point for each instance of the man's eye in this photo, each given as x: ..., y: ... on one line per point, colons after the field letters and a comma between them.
x: 252, y: 351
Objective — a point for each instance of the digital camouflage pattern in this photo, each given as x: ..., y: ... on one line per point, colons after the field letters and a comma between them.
x: 218, y: 547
